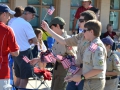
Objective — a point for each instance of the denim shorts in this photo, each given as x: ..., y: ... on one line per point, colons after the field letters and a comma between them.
x: 72, y: 86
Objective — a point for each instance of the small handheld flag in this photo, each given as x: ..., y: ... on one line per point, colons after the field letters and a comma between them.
x: 73, y: 69
x: 50, y: 11
x: 26, y: 59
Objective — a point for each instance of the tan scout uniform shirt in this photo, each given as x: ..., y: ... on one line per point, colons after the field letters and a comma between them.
x: 113, y: 63
x: 95, y: 60
x: 60, y: 49
x: 79, y: 41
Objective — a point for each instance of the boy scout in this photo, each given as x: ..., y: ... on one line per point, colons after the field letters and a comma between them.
x: 59, y: 73
x: 77, y: 40
x: 94, y: 59
x: 113, y: 66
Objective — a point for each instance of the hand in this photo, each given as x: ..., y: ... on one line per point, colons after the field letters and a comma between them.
x: 30, y: 41
x: 68, y: 77
x: 73, y: 32
x: 45, y: 26
x: 75, y: 78
x: 33, y: 61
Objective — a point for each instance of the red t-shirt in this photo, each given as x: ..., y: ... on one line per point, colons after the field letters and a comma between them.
x: 80, y: 10
x: 111, y: 35
x: 7, y: 44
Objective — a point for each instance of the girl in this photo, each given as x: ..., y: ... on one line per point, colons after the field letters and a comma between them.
x: 38, y: 48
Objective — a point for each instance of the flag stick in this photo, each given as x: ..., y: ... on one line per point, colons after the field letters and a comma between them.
x: 45, y: 16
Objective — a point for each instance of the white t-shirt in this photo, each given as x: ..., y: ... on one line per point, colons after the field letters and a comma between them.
x: 11, y: 20
x: 23, y: 32
x: 43, y: 47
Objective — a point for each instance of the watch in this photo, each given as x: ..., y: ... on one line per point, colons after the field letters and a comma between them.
x: 82, y: 77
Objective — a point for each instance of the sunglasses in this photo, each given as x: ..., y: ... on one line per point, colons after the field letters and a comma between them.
x: 81, y: 20
x: 84, y: 30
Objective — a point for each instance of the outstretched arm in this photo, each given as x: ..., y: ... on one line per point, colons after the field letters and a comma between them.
x: 57, y: 37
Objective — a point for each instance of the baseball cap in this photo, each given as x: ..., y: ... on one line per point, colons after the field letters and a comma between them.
x: 107, y: 41
x: 31, y: 9
x: 57, y: 20
x: 5, y: 8
x: 95, y: 10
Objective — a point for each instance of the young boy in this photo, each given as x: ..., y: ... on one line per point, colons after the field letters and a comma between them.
x: 94, y: 59
x: 113, y: 66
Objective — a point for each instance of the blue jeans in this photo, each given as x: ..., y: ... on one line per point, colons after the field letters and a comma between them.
x: 72, y: 86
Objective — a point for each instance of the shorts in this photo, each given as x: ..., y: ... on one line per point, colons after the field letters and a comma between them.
x: 22, y: 69
x: 72, y: 86
x: 5, y: 84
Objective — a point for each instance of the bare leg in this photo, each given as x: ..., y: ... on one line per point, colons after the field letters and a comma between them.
x: 23, y: 83
x: 17, y: 82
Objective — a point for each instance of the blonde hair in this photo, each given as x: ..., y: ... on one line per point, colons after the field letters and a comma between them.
x: 37, y: 32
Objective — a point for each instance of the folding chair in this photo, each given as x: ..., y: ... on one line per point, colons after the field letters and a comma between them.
x: 38, y: 76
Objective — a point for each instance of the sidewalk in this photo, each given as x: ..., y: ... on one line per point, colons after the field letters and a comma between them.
x: 35, y: 84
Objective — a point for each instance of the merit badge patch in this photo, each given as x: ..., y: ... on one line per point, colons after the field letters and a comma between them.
x: 117, y: 61
x: 100, y: 62
x: 110, y: 59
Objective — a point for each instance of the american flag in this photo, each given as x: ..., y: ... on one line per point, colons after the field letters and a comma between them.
x: 51, y: 10
x: 73, y: 60
x: 26, y: 59
x: 93, y: 47
x: 49, y: 58
x: 77, y: 83
x: 59, y: 57
x: 66, y: 63
x: 73, y: 69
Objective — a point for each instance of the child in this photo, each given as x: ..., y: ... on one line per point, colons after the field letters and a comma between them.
x: 113, y: 69
x: 39, y: 48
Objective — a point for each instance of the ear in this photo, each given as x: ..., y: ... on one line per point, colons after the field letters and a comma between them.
x: 91, y: 31
x: 3, y: 14
x: 58, y: 26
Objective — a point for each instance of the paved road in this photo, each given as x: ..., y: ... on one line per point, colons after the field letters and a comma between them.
x: 35, y: 84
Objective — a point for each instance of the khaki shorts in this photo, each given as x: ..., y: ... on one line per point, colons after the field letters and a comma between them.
x: 5, y: 84
x: 94, y: 84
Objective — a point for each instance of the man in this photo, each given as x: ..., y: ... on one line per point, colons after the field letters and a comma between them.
x: 8, y: 45
x: 25, y: 36
x: 94, y: 59
x: 77, y: 40
x: 113, y: 66
x: 86, y: 4
x: 110, y: 32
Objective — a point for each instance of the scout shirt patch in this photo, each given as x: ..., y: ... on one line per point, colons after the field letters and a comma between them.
x: 110, y: 59
x: 93, y: 47
x: 116, y: 60
x: 100, y: 62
